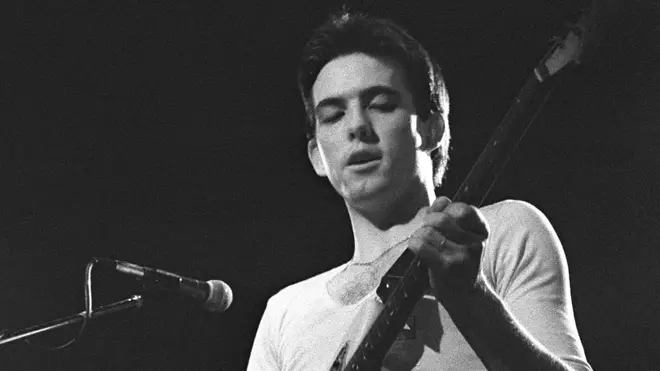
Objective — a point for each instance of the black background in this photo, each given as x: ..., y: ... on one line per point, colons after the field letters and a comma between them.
x: 168, y: 134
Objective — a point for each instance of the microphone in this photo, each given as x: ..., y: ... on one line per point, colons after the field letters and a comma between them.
x: 215, y: 295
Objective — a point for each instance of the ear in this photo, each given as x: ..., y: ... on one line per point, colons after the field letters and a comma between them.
x: 431, y: 131
x: 315, y: 157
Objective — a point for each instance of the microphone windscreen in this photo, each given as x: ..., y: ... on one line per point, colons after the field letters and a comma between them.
x: 220, y: 296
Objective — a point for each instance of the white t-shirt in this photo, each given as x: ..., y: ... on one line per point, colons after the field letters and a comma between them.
x: 304, y: 329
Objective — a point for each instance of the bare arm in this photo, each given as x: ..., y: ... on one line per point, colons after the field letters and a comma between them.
x: 525, y: 321
x: 495, y: 335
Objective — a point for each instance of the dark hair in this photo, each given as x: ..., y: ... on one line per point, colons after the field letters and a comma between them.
x: 346, y: 33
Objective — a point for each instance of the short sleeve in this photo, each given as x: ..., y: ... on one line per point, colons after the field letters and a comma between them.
x: 264, y: 353
x: 526, y: 264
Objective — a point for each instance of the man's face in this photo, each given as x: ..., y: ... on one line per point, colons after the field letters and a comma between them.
x: 366, y: 129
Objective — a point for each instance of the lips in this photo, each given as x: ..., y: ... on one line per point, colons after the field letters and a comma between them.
x: 361, y: 157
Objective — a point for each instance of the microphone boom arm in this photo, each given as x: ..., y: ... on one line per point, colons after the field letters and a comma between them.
x: 134, y: 301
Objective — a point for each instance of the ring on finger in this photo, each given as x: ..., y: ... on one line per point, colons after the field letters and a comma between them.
x: 442, y: 242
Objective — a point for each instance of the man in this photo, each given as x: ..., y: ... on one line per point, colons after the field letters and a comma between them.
x: 378, y: 112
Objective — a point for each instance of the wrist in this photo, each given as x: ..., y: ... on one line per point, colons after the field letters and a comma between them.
x: 462, y: 295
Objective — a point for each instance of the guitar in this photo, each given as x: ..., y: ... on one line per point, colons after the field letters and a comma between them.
x: 565, y: 53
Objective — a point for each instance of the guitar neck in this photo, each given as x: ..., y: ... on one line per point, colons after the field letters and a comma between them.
x: 405, y: 295
x: 503, y: 142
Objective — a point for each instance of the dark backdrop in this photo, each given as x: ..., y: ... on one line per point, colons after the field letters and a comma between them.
x: 168, y: 134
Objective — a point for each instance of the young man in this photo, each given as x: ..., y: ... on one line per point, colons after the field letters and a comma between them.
x: 378, y: 111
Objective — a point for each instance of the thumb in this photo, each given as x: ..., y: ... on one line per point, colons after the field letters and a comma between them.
x: 440, y: 204
x: 422, y: 212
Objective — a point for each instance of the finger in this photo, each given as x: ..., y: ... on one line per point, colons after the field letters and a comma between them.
x: 448, y: 226
x: 469, y: 218
x: 440, y: 204
x: 426, y: 237
x: 438, y: 252
x: 423, y: 211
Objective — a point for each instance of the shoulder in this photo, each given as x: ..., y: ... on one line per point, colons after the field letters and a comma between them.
x: 515, y: 214
x: 282, y: 314
x: 522, y: 243
x: 516, y: 223
x: 297, y: 294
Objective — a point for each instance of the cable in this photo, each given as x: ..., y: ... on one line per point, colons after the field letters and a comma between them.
x: 86, y: 315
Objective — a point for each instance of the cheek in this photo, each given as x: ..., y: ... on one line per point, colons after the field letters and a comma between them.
x: 402, y: 143
x: 330, y: 156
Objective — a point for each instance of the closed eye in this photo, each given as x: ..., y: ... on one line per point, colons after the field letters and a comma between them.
x: 384, y: 107
x: 329, y: 119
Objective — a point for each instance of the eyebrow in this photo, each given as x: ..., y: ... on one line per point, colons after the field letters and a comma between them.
x: 365, y: 94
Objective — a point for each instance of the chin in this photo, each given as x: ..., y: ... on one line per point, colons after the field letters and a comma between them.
x: 369, y: 194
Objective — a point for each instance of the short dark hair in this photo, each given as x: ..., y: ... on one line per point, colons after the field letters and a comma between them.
x: 346, y: 33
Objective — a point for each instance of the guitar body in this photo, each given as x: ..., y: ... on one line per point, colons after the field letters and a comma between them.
x: 429, y: 340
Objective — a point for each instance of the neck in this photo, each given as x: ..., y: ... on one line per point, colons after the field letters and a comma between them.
x: 379, y: 227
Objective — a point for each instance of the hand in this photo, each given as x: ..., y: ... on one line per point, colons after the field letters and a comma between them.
x: 450, y: 242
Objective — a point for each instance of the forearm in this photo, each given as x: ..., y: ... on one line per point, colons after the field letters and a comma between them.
x: 496, y: 337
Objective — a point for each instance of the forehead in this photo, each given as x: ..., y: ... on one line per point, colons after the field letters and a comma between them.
x: 348, y: 75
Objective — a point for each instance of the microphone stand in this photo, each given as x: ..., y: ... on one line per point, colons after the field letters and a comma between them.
x: 134, y: 301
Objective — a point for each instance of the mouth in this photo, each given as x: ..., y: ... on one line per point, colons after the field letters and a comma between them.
x: 363, y: 159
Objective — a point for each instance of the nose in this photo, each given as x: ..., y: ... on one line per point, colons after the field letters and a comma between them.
x: 360, y: 127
